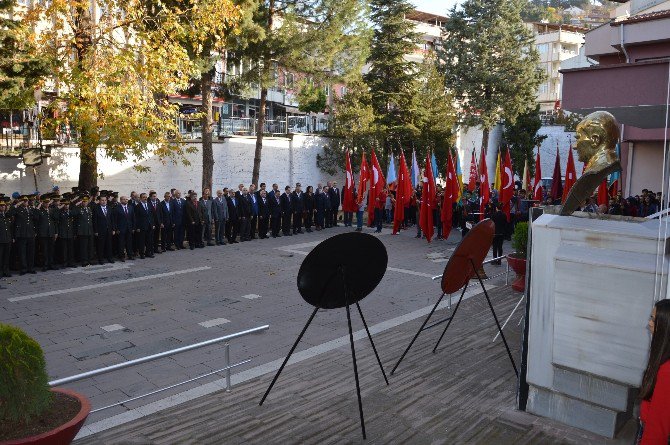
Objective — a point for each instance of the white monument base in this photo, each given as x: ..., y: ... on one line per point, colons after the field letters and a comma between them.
x: 592, y: 289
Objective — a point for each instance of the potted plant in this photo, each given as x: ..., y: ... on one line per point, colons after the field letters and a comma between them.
x: 30, y: 412
x: 517, y: 260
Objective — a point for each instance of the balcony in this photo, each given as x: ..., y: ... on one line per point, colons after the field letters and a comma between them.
x: 191, y: 129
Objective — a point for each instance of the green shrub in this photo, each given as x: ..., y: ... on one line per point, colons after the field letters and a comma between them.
x: 520, y: 239
x: 24, y: 388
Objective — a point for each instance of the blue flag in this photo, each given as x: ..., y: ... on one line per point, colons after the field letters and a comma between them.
x: 434, y: 162
x: 415, y: 170
x: 391, y: 176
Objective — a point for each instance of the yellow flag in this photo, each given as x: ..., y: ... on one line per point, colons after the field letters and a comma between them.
x: 497, y: 183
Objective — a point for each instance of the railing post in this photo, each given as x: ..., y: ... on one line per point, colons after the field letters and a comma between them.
x: 507, y: 273
x: 227, y: 363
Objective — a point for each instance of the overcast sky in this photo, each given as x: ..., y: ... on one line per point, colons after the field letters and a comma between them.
x: 435, y: 6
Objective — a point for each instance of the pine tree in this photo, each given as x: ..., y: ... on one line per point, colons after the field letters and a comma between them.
x: 391, y: 78
x: 521, y: 137
x: 21, y: 68
x: 490, y: 63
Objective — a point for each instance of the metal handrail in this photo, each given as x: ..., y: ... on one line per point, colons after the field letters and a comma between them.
x: 148, y: 358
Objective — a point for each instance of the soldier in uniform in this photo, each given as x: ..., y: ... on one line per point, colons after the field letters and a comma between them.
x: 65, y: 241
x: 47, y: 230
x: 24, y: 234
x: 83, y: 217
x: 6, y: 220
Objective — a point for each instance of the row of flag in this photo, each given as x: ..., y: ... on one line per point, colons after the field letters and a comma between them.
x: 404, y: 179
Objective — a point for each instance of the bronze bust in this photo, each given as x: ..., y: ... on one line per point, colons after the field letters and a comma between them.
x: 597, y: 136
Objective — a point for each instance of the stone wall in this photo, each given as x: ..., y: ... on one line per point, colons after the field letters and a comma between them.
x: 284, y: 161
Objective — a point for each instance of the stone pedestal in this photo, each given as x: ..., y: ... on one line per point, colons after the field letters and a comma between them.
x: 592, y: 288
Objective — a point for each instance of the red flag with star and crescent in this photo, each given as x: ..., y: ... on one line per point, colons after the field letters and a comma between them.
x: 451, y: 189
x: 474, y: 174
x: 570, y: 175
x: 507, y: 187
x: 537, y: 184
x: 348, y: 205
x: 376, y: 186
x: 363, y: 178
x: 402, y: 195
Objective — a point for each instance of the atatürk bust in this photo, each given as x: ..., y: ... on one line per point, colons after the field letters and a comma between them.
x: 597, y: 136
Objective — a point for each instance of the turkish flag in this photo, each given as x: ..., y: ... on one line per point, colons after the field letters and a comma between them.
x: 484, y: 186
x: 474, y: 175
x: 570, y: 176
x: 450, y: 196
x: 427, y: 201
x: 556, y: 181
x: 537, y: 184
x: 376, y: 186
x: 603, y: 193
x: 402, y: 195
x: 507, y: 184
x: 348, y: 205
x: 363, y: 178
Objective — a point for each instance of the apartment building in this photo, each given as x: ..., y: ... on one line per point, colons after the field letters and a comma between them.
x: 555, y: 43
x: 429, y: 26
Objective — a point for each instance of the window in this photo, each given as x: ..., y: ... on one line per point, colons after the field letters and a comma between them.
x: 343, y: 91
x: 544, y: 88
x: 542, y: 48
x: 289, y: 80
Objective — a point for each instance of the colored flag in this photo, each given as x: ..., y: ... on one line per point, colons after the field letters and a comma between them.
x: 348, y: 205
x: 415, y: 170
x: 402, y: 195
x: 497, y: 181
x: 484, y: 186
x: 459, y: 176
x: 391, y: 176
x: 525, y: 182
x: 427, y: 201
x: 376, y: 186
x: 474, y: 174
x: 570, y: 175
x: 433, y: 161
x: 363, y: 178
x: 450, y: 197
x: 507, y: 189
x: 556, y: 181
x: 603, y: 195
x: 537, y: 184
x: 614, y: 177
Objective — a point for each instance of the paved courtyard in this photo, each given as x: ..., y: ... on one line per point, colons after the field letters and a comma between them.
x: 99, y: 316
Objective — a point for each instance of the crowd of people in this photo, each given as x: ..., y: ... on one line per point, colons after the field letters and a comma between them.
x: 101, y: 226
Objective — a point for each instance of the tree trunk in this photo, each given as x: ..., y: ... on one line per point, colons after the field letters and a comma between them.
x: 485, y: 139
x: 88, y: 164
x: 207, y: 124
x: 260, y: 121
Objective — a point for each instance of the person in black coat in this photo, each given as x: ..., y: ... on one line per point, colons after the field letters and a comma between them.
x: 233, y: 223
x: 144, y: 224
x: 286, y: 211
x: 6, y: 236
x: 298, y: 207
x: 167, y: 208
x: 47, y: 231
x: 275, y: 212
x: 25, y: 218
x: 65, y: 233
x: 263, y: 215
x: 245, y: 213
x: 178, y: 218
x: 319, y: 207
x: 500, y: 220
x: 308, y: 204
x: 124, y: 221
x: 83, y: 222
x: 327, y: 212
x: 154, y: 205
x: 194, y: 220
x: 334, y: 195
x: 103, y: 228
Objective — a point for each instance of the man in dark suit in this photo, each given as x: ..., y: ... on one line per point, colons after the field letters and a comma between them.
x: 154, y: 206
x: 124, y: 221
x: 178, y: 219
x: 6, y: 236
x: 167, y: 209
x: 298, y: 207
x: 263, y: 215
x: 194, y: 219
x: 253, y: 220
x: 286, y: 211
x: 145, y: 225
x: 233, y: 223
x: 103, y: 228
x: 244, y: 211
x: 220, y: 215
x: 275, y: 213
x: 334, y: 195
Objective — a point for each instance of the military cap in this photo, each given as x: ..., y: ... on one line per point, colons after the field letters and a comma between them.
x: 4, y: 200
